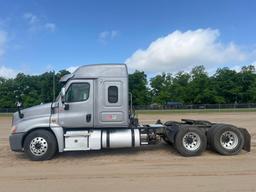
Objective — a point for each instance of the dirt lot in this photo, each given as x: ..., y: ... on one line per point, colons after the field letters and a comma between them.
x: 151, y: 168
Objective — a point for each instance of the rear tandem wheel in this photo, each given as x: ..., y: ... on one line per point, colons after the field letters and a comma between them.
x: 225, y: 139
x: 190, y: 141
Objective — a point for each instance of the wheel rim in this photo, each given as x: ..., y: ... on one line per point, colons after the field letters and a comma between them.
x: 229, y: 140
x: 191, y: 141
x: 38, y: 146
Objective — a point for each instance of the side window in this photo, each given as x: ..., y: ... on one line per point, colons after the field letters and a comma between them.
x: 112, y: 94
x: 77, y: 92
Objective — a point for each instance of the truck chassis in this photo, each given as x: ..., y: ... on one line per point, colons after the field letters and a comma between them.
x: 189, y: 138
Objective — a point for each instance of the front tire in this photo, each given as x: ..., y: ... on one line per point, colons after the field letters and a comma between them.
x: 190, y: 141
x: 40, y: 145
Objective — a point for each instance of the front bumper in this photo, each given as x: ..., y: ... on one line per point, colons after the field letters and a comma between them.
x: 15, y: 141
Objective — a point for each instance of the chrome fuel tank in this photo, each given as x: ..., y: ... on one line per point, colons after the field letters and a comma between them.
x: 120, y: 138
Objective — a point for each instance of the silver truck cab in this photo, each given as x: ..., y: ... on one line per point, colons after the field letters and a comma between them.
x: 91, y: 112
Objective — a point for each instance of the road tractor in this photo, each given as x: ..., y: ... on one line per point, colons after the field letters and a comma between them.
x: 94, y: 111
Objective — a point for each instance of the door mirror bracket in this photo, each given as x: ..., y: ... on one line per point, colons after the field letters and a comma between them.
x: 62, y: 92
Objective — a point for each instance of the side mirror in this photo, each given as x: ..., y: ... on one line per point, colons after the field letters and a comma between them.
x: 62, y: 92
x: 19, y: 104
x: 66, y: 105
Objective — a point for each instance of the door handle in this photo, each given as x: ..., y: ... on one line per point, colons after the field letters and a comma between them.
x: 88, y: 117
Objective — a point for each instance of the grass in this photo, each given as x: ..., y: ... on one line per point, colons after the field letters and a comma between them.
x: 171, y: 111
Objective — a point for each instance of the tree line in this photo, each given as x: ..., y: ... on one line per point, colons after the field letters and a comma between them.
x: 29, y: 89
x: 194, y: 87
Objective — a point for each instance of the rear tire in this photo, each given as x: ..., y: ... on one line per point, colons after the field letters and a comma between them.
x: 226, y: 139
x: 190, y: 141
x: 40, y: 145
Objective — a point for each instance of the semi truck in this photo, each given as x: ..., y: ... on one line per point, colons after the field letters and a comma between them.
x: 94, y: 111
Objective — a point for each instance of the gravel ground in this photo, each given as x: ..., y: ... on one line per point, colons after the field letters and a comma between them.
x: 150, y: 168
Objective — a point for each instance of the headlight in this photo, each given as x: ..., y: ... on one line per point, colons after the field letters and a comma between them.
x: 13, y: 130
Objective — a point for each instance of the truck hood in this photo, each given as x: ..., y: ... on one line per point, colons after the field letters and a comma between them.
x: 37, y: 111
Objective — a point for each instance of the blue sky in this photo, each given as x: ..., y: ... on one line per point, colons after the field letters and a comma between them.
x: 151, y: 35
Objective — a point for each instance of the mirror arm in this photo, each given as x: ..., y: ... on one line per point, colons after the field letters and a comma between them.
x: 62, y: 95
x: 62, y: 100
x: 21, y: 115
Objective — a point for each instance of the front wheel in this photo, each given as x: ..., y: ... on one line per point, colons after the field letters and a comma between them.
x: 40, y: 145
x: 190, y: 141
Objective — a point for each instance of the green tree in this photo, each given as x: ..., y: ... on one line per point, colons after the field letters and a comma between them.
x: 161, y: 88
x: 227, y: 86
x: 247, y: 79
x: 138, y: 88
x: 180, y: 87
x: 200, y: 88
x: 31, y: 90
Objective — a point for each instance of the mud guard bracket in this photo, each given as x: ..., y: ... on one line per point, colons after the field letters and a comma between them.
x: 171, y: 131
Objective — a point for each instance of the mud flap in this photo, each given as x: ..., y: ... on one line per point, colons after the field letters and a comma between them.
x: 247, y: 139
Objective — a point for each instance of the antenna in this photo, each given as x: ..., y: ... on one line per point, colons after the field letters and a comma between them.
x: 53, y: 86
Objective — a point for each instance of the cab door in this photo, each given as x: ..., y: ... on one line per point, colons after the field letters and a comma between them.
x: 77, y: 112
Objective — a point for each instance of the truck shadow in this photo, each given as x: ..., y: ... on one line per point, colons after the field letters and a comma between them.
x: 87, y: 155
x: 159, y: 149
x: 166, y: 148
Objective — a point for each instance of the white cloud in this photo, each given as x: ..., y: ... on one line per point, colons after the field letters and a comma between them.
x: 113, y: 34
x: 4, y: 21
x: 103, y: 35
x: 3, y: 39
x: 50, y: 26
x: 72, y: 68
x: 7, y: 72
x: 106, y: 36
x: 36, y: 23
x: 236, y: 68
x: 31, y: 18
x: 254, y: 63
x: 182, y: 50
